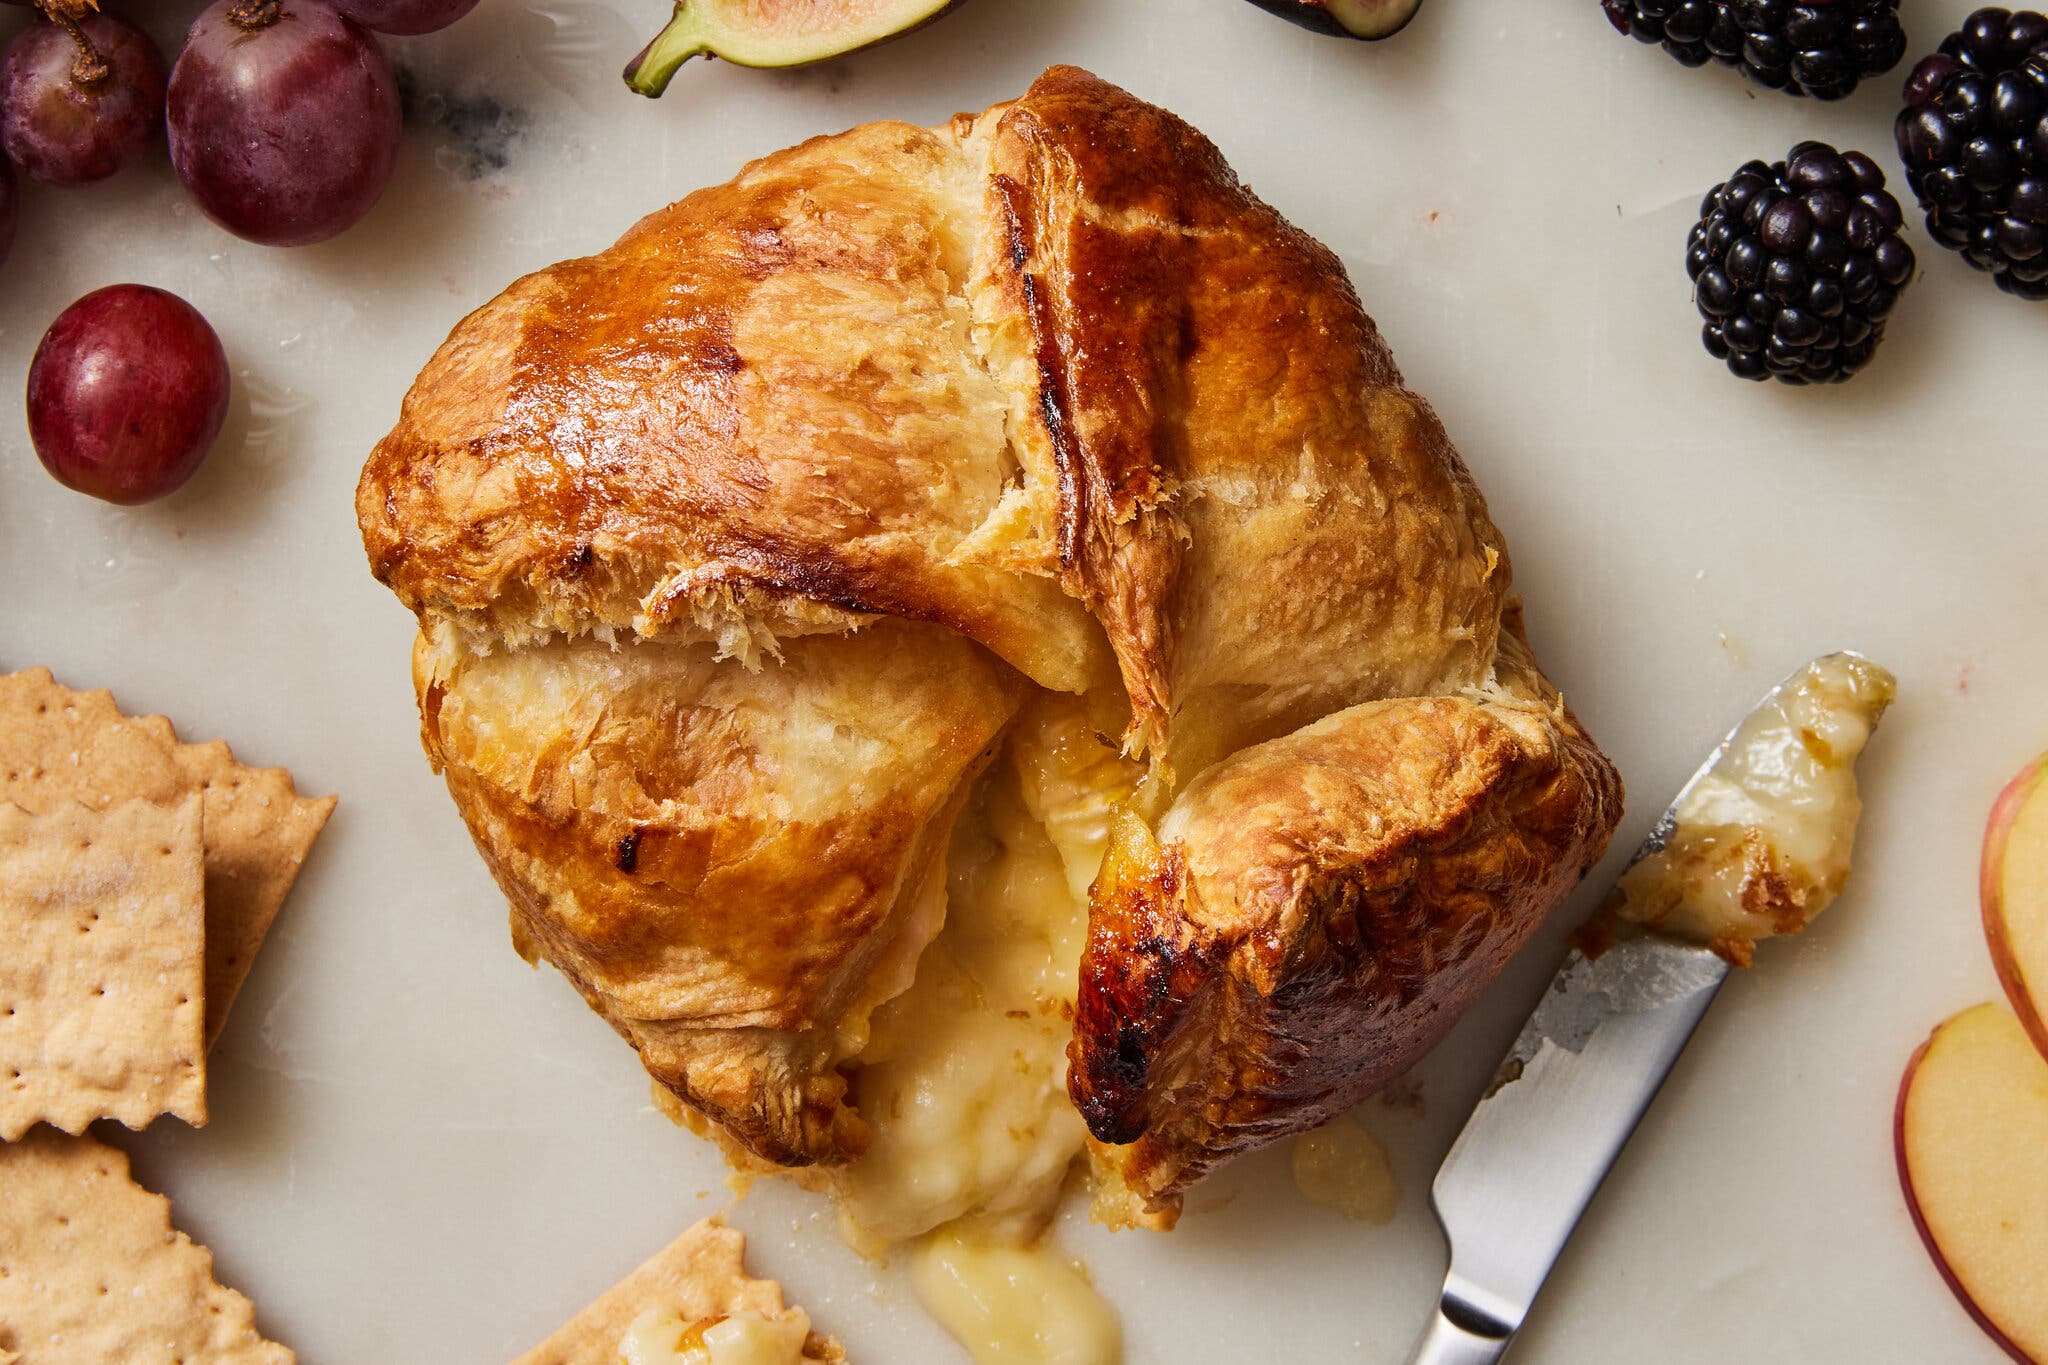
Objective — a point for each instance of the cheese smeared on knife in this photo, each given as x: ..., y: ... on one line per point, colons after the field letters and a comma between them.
x: 1761, y: 844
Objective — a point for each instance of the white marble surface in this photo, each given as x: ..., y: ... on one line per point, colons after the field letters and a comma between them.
x: 423, y: 1152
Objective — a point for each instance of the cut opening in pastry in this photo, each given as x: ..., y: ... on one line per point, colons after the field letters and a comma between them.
x: 963, y: 1081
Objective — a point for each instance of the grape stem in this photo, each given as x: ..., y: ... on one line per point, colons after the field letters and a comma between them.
x: 88, y: 68
x: 251, y: 15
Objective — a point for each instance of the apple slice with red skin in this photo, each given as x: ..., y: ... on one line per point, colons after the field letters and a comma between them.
x: 2014, y: 883
x: 1971, y: 1132
x: 1371, y: 20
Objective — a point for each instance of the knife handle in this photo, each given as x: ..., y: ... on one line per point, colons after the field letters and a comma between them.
x: 1457, y: 1335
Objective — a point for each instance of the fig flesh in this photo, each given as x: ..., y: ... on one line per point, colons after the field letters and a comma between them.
x: 774, y: 33
x: 1367, y: 19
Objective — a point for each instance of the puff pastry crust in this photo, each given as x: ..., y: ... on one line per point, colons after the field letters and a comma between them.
x: 736, y: 547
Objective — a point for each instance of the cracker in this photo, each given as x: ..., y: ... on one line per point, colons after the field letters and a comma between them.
x: 101, y: 1012
x: 58, y: 746
x: 700, y: 1275
x: 258, y: 833
x: 91, y: 1270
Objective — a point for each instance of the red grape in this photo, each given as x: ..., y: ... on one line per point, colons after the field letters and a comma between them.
x: 70, y: 113
x: 284, y: 119
x: 405, y: 16
x: 126, y: 393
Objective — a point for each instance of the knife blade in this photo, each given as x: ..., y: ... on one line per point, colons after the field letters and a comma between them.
x: 1558, y: 1111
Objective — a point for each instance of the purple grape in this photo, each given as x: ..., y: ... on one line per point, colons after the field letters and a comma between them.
x: 72, y: 112
x: 284, y: 119
x: 10, y: 207
x: 126, y: 393
x: 405, y: 17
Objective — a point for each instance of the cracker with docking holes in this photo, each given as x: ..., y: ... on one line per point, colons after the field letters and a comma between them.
x: 700, y: 1278
x: 60, y: 747
x: 101, y: 985
x: 94, y: 1271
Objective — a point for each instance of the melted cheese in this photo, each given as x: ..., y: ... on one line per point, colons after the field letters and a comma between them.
x: 1762, y: 843
x: 1341, y: 1167
x: 1011, y: 1305
x: 661, y: 1336
x: 963, y: 1079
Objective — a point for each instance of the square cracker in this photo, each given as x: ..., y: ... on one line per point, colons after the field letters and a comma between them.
x: 58, y: 747
x: 700, y: 1275
x: 101, y: 1010
x: 91, y: 1270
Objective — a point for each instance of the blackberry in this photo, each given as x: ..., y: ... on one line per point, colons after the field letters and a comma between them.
x: 1974, y: 137
x: 1796, y: 265
x: 1820, y: 48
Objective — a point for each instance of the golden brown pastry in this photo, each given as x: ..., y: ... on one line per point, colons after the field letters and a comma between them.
x: 739, y: 550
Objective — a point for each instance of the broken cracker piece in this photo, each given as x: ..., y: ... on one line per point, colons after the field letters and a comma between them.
x: 58, y: 746
x: 91, y: 1270
x: 258, y: 833
x: 700, y: 1278
x: 101, y: 1005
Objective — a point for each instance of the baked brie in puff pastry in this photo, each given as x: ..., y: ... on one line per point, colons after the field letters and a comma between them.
x: 820, y: 587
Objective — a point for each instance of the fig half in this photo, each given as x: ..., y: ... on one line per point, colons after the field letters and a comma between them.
x: 775, y: 33
x: 1371, y: 20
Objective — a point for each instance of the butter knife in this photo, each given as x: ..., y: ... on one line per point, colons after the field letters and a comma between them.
x: 1558, y: 1111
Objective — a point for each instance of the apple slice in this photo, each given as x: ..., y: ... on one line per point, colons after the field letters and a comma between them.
x: 1971, y: 1130
x: 2014, y: 882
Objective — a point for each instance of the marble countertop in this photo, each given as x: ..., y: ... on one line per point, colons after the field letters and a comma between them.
x: 421, y: 1151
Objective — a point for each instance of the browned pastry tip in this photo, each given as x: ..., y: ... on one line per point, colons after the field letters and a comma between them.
x: 1315, y: 912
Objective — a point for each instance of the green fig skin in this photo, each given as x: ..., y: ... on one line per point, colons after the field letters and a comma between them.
x: 703, y: 28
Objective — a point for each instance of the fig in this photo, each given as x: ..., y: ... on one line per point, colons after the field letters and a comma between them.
x: 1371, y: 20
x: 776, y: 33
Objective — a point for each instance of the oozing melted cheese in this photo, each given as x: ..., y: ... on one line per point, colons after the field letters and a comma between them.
x: 661, y: 1336
x: 1762, y: 843
x: 1012, y: 1305
x: 1342, y: 1167
x: 963, y: 1079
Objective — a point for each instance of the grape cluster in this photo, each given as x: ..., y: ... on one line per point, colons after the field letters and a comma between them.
x: 283, y: 124
x: 283, y: 119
